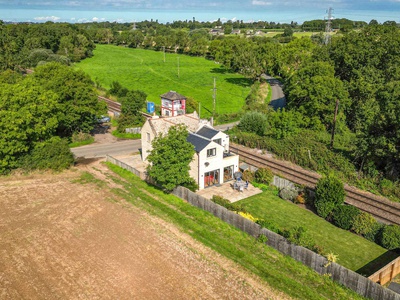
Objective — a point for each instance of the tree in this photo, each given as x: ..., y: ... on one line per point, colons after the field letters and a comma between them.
x: 78, y: 106
x: 329, y: 194
x: 170, y: 158
x: 131, y: 110
x: 27, y: 116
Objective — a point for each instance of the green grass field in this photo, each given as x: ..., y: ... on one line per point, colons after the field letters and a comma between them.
x: 145, y: 70
x: 353, y: 251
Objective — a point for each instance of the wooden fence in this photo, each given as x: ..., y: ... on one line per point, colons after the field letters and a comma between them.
x: 387, y: 273
x: 348, y: 278
x: 358, y: 283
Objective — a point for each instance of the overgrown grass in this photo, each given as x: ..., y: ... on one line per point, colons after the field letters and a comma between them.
x: 81, y: 143
x: 281, y: 272
x: 353, y: 251
x: 145, y: 70
x: 123, y: 135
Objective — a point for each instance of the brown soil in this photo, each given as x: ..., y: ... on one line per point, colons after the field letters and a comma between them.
x: 64, y: 240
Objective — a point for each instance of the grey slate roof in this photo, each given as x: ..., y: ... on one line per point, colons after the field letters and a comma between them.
x: 207, y: 132
x: 198, y: 142
x: 172, y: 95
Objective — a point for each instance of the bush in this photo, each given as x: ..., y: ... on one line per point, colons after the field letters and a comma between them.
x: 248, y: 176
x: 364, y: 223
x: 227, y: 204
x: 344, y: 215
x: 374, y: 234
x: 269, y: 225
x: 263, y: 175
x: 253, y: 122
x: 300, y: 198
x: 390, y: 237
x: 329, y: 194
x: 53, y: 154
x: 300, y: 237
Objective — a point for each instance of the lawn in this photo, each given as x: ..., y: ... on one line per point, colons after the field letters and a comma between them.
x: 353, y: 251
x: 146, y: 70
x: 281, y: 272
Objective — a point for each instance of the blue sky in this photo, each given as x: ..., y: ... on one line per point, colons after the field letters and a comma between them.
x: 203, y: 10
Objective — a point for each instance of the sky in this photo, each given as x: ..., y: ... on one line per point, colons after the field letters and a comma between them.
x: 202, y: 10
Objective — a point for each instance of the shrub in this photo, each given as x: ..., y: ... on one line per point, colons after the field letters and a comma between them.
x: 374, y: 234
x: 300, y: 198
x: 53, y: 154
x: 329, y: 194
x: 390, y: 237
x: 299, y: 236
x: 80, y: 137
x: 364, y: 223
x: 263, y: 175
x: 247, y: 216
x: 269, y: 225
x: 253, y: 122
x: 227, y: 204
x: 248, y: 176
x: 344, y: 215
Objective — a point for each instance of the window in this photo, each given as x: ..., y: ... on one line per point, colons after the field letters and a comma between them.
x: 148, y: 137
x: 211, y: 152
x: 218, y: 141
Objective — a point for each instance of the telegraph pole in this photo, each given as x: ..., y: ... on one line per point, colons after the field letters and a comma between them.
x: 164, y: 53
x: 214, y: 96
x: 328, y: 27
x: 178, y: 66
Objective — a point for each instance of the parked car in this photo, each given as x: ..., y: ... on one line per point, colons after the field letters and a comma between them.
x: 103, y: 119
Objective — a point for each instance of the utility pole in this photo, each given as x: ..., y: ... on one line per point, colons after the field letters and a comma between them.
x: 214, y: 97
x: 328, y: 27
x: 178, y: 66
x: 334, y: 123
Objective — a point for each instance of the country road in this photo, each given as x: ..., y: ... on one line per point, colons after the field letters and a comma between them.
x: 278, y: 99
x: 101, y: 150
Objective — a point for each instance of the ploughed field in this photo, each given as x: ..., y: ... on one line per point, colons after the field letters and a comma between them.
x: 60, y: 238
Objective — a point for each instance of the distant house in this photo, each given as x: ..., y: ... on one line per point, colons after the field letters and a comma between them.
x: 212, y: 162
x: 217, y: 31
x: 236, y: 31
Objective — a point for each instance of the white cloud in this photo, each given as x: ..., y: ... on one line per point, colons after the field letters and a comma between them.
x: 261, y: 3
x: 49, y: 18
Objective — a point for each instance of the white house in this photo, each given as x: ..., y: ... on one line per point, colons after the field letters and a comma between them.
x: 212, y: 163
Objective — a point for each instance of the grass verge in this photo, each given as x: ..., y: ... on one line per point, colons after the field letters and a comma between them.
x: 281, y: 272
x: 353, y: 251
x: 82, y: 143
x: 127, y: 136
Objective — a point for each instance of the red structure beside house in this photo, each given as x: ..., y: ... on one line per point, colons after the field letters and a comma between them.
x: 172, y: 104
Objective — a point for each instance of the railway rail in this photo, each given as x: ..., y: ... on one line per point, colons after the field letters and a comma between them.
x: 381, y: 208
x: 113, y: 106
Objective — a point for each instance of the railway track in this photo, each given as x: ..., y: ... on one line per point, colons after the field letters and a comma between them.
x: 381, y: 208
x: 113, y: 106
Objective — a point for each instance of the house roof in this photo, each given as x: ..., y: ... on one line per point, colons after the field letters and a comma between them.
x: 207, y: 132
x: 172, y: 95
x: 161, y: 125
x: 198, y: 141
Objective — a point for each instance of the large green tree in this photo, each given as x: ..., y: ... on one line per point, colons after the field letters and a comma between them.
x: 170, y: 158
x: 27, y: 116
x: 78, y: 106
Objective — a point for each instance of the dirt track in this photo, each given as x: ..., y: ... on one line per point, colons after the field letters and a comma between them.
x: 65, y: 240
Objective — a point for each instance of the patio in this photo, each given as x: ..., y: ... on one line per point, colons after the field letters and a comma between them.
x: 227, y: 191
